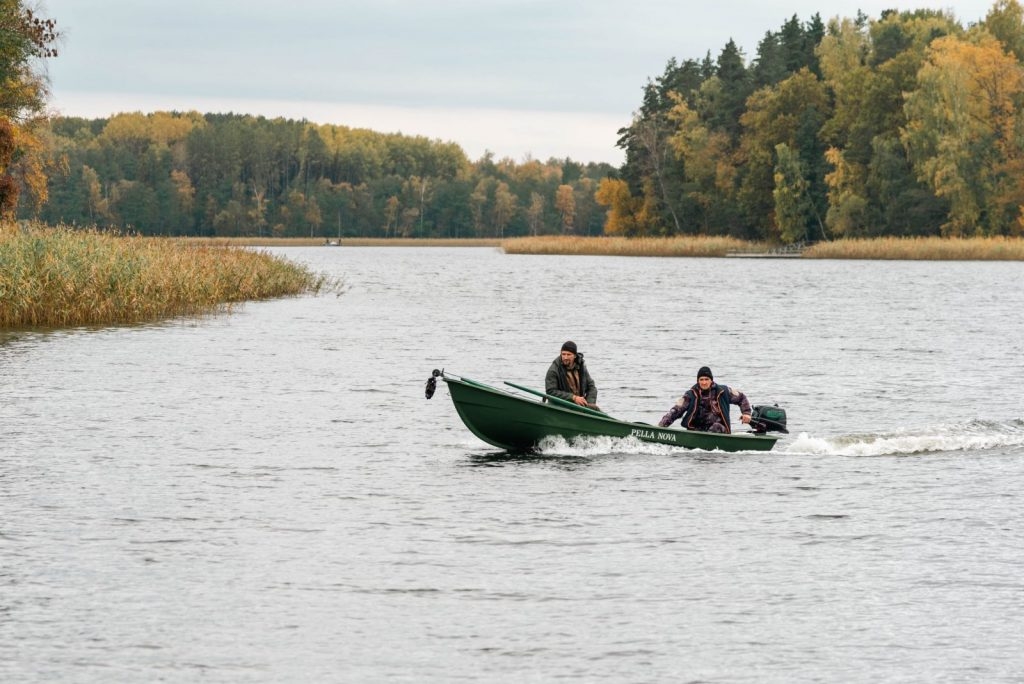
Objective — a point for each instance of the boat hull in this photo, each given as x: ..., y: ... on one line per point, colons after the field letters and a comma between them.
x: 515, y: 423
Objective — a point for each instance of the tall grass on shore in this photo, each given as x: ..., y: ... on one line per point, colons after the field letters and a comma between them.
x: 58, y: 277
x: 703, y: 246
x: 922, y: 248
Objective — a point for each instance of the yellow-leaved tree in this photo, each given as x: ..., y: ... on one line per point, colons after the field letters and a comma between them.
x: 964, y: 130
x: 25, y: 40
x: 504, y: 208
x: 565, y: 203
x: 627, y: 215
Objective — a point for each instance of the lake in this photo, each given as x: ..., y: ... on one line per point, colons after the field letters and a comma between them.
x: 267, y: 496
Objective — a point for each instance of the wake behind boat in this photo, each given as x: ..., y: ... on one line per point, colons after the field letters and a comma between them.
x: 519, y: 423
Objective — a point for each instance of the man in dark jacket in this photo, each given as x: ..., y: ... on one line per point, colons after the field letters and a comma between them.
x: 705, y: 406
x: 569, y: 379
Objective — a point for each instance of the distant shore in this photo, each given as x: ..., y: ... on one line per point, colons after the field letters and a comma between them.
x: 923, y: 249
x: 881, y: 248
x: 342, y: 242
x: 928, y: 249
x: 710, y: 246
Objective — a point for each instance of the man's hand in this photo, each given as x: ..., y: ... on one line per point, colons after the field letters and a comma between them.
x: 745, y: 418
x: 582, y: 401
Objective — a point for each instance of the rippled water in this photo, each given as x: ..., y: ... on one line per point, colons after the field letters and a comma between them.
x: 267, y: 495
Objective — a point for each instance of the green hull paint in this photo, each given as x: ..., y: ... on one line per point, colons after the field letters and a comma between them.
x: 515, y: 423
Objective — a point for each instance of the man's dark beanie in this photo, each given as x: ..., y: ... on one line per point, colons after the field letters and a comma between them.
x: 569, y: 347
x: 704, y: 372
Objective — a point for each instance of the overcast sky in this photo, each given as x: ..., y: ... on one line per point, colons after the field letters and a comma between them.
x: 516, y: 77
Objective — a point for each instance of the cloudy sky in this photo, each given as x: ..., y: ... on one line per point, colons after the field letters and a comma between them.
x: 519, y: 78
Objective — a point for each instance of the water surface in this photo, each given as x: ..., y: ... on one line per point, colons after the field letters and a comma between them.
x: 268, y: 496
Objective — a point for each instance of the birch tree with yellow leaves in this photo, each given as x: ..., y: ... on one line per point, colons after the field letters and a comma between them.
x: 565, y: 203
x: 25, y: 41
x: 964, y: 130
x: 627, y: 215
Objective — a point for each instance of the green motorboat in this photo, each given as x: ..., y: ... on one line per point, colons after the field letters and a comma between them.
x: 519, y: 423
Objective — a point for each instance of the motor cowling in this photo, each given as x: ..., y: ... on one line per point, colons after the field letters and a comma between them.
x: 768, y: 419
x: 432, y: 383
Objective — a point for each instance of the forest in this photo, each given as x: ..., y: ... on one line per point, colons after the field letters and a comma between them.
x: 173, y: 173
x: 908, y: 124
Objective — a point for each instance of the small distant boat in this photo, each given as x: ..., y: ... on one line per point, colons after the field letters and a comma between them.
x: 519, y: 423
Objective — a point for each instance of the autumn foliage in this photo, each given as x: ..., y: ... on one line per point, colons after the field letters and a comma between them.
x: 904, y: 125
x: 25, y: 40
x: 909, y: 125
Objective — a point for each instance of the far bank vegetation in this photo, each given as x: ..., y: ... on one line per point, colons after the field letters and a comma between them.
x: 903, y: 125
x: 620, y: 246
x: 921, y: 248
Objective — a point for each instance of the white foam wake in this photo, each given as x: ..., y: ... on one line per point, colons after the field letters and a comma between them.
x: 972, y: 436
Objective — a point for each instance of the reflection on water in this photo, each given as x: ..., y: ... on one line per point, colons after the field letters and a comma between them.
x: 533, y: 459
x: 267, y: 495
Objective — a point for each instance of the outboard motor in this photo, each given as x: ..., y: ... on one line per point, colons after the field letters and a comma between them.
x: 432, y: 383
x: 768, y: 419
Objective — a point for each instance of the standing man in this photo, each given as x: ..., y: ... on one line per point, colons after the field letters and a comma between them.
x: 568, y: 378
x: 705, y: 406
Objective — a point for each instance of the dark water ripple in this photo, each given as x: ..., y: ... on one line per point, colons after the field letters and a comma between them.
x: 266, y: 496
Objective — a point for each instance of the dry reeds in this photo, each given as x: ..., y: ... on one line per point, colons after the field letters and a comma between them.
x: 696, y: 246
x: 56, y: 277
x: 921, y: 248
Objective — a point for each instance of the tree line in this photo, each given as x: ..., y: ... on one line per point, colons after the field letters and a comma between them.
x: 908, y: 124
x: 185, y: 173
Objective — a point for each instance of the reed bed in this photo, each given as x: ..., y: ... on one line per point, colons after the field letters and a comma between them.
x: 345, y: 242
x: 59, y: 277
x: 703, y: 246
x: 921, y: 248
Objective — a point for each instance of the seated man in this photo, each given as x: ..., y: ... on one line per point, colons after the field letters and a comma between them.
x: 705, y: 406
x: 569, y: 379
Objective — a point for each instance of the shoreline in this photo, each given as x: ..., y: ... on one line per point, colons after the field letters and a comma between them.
x: 334, y: 242
x: 880, y: 248
x: 55, y: 277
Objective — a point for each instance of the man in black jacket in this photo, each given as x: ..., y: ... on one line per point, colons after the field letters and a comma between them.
x: 569, y: 379
x: 705, y: 406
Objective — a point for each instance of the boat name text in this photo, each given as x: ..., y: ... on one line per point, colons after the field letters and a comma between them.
x: 653, y: 434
